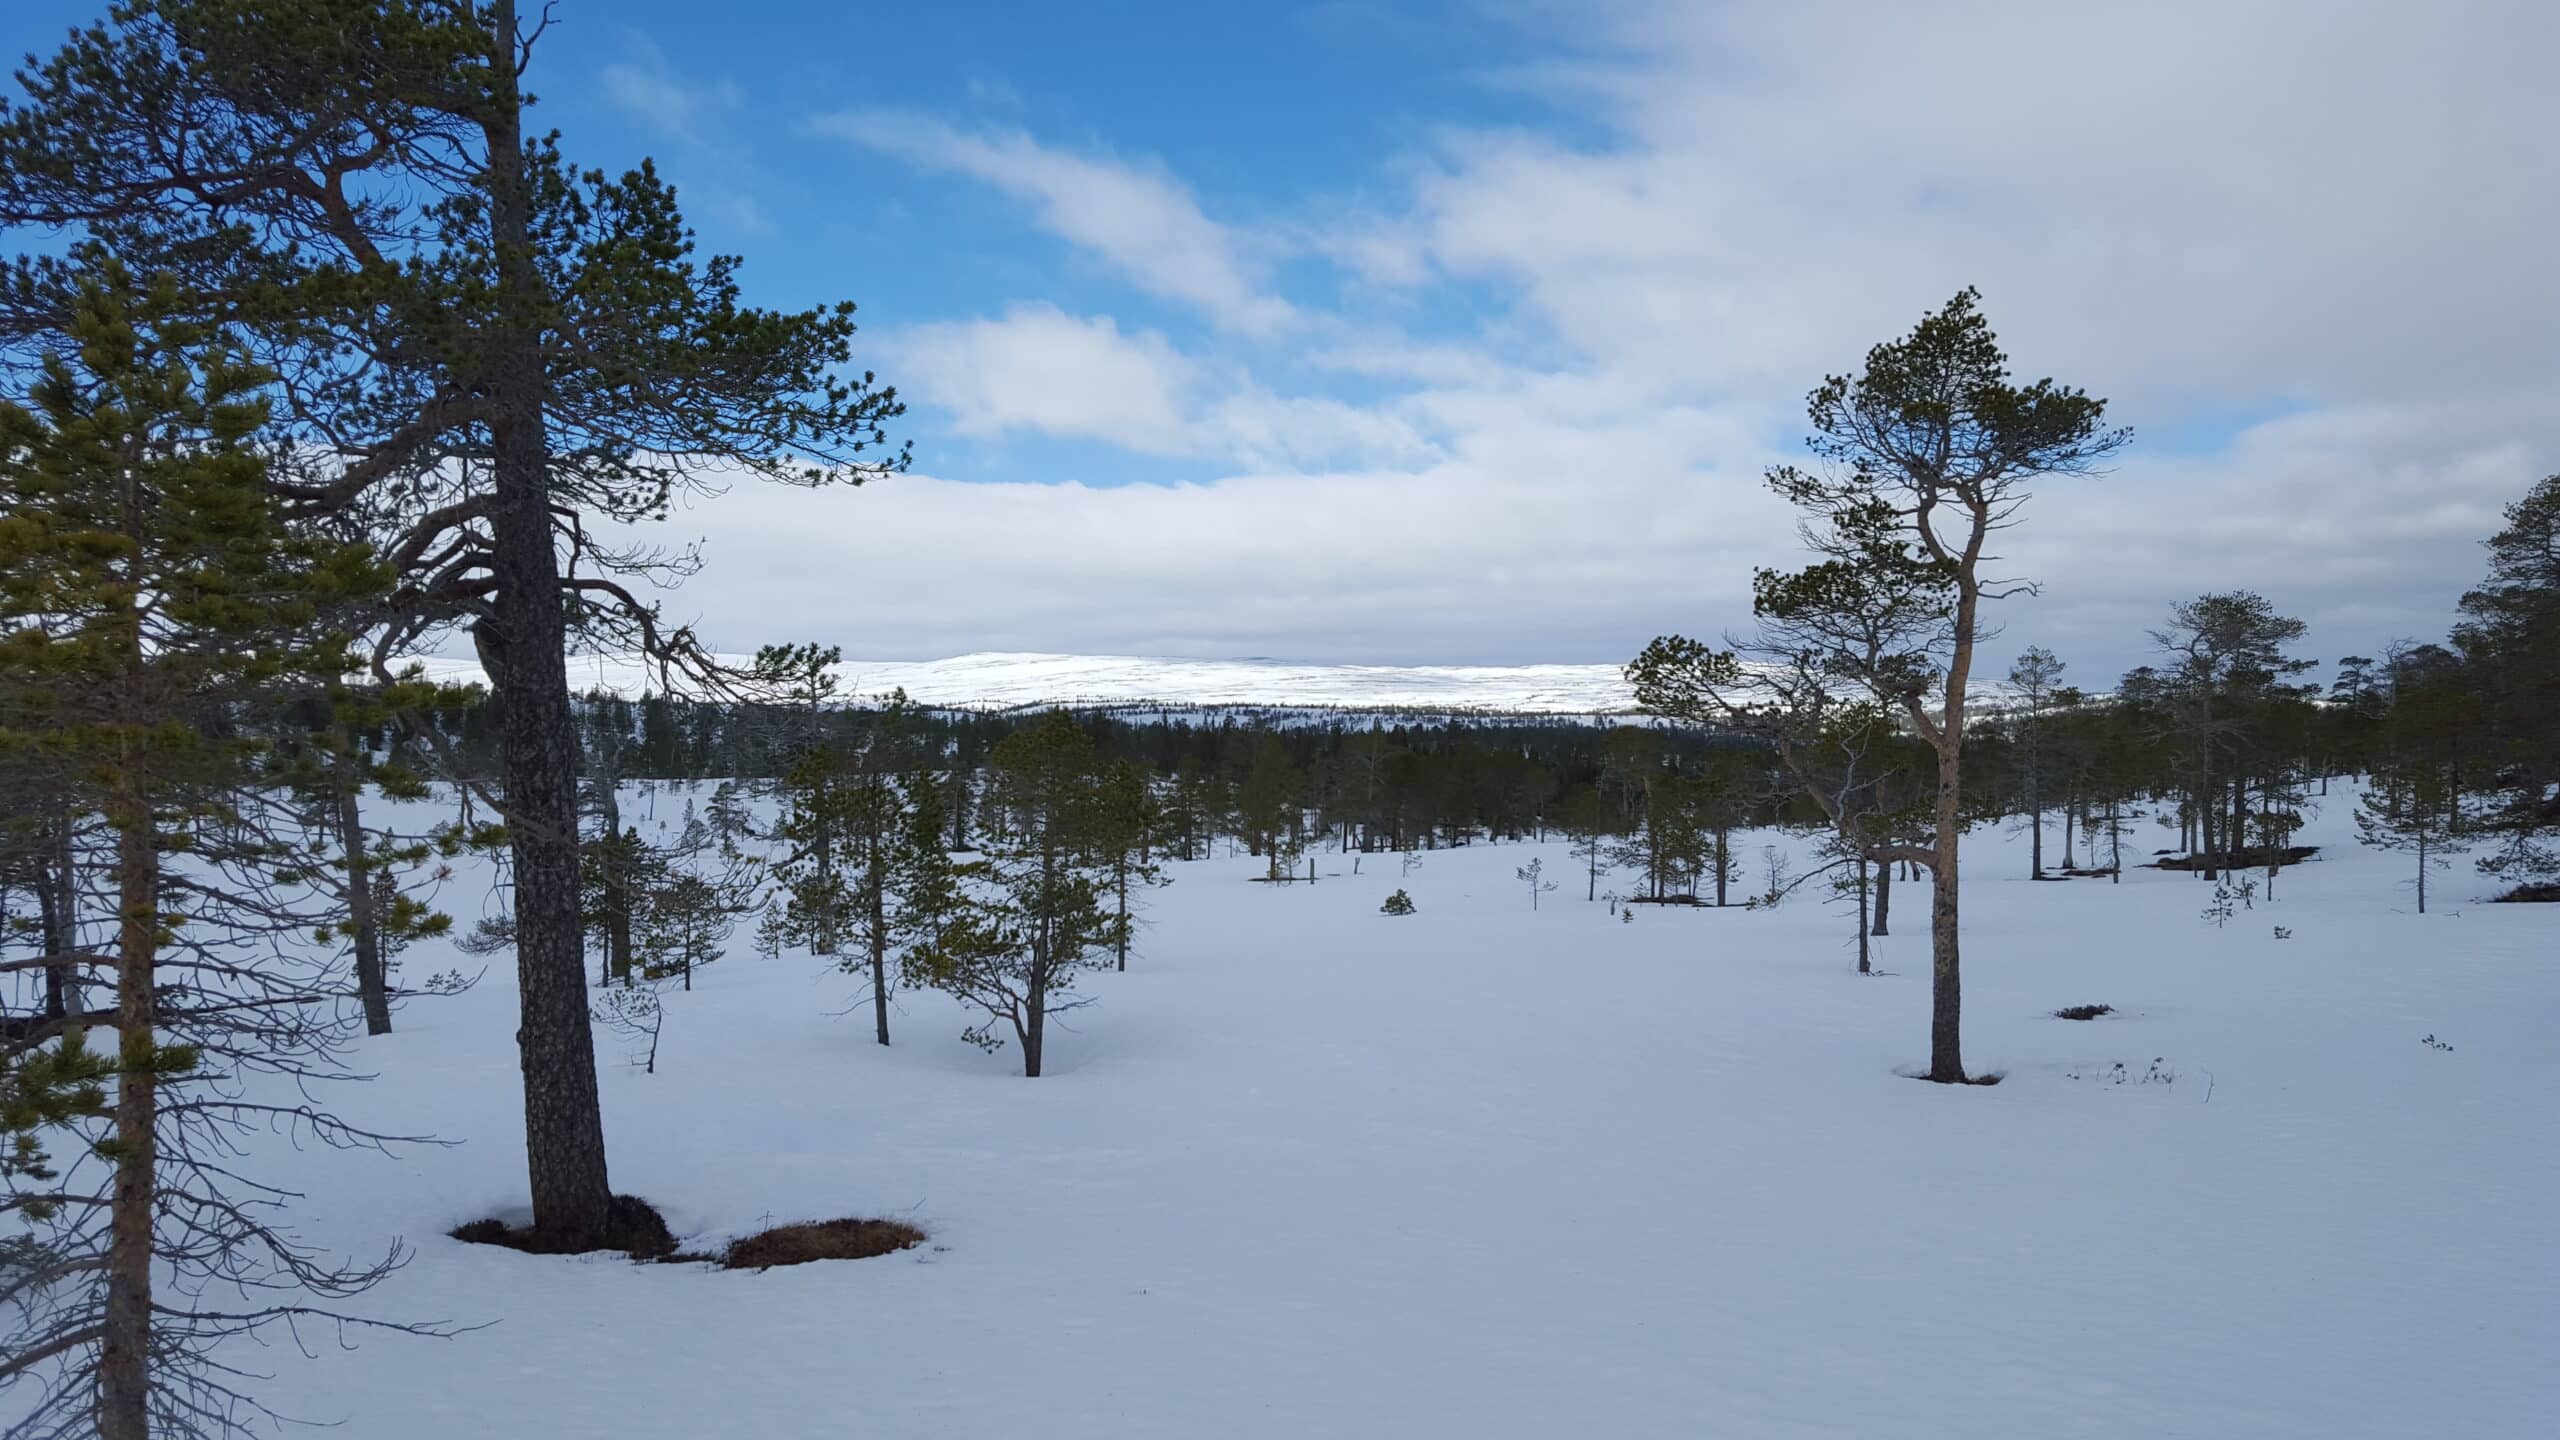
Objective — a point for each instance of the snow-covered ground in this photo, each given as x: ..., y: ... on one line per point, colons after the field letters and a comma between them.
x: 1308, y: 1170
x: 1017, y: 680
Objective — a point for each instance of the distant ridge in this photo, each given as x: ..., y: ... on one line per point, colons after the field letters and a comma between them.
x: 1016, y: 680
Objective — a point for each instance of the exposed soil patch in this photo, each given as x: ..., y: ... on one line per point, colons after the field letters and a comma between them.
x: 814, y: 1240
x: 2083, y: 1012
x: 635, y: 1228
x: 2531, y: 895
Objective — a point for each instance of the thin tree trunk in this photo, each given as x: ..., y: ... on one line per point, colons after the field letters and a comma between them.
x: 2237, y: 843
x: 1859, y: 865
x: 2035, y: 824
x: 1035, y: 1021
x: 617, y: 888
x: 124, y: 1350
x: 879, y: 948
x: 58, y: 911
x: 373, y: 979
x: 1120, y: 935
x: 1884, y: 897
x: 564, y: 1120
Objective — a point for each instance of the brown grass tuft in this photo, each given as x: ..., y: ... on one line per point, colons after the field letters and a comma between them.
x: 818, y: 1240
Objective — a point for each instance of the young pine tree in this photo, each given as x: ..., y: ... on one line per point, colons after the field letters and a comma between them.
x: 1026, y: 919
x: 2412, y: 809
x: 1129, y: 825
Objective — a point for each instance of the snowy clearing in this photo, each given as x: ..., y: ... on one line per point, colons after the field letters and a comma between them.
x: 1311, y: 1170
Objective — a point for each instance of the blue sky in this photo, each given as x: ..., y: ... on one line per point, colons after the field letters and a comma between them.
x: 1294, y: 116
x: 1461, y: 330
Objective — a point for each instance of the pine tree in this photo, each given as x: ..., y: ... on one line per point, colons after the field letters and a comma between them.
x: 1669, y: 848
x: 2413, y: 809
x: 1029, y: 917
x: 689, y: 904
x: 1269, y: 808
x: 483, y: 349
x: 1129, y: 824
x: 812, y: 906
x: 1588, y: 827
x: 1935, y: 437
x: 152, y: 595
x: 2037, y: 677
x: 2510, y: 643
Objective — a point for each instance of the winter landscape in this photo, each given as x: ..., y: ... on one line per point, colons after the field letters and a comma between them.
x: 1527, y: 781
x: 1479, y: 1170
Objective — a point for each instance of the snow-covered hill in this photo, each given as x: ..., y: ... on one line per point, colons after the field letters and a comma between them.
x: 1019, y: 680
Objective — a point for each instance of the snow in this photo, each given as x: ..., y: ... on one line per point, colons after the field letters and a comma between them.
x: 1311, y: 1170
x: 1019, y: 680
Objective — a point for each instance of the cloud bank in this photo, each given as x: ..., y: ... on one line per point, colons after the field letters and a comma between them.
x: 2303, y: 248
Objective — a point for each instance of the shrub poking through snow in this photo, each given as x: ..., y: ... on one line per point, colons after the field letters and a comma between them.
x: 2083, y: 1012
x: 2120, y: 1073
x: 1397, y: 904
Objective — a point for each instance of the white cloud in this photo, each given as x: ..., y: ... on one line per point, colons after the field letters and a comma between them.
x: 648, y: 88
x: 2337, y: 215
x: 2172, y: 200
x: 1144, y: 222
x: 1041, y: 369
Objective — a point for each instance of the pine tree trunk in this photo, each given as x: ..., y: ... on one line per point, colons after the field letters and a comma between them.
x: 2115, y: 845
x: 1120, y: 935
x: 124, y: 1348
x: 373, y: 980
x: 58, y: 912
x: 2238, y: 843
x: 879, y: 949
x: 2035, y: 822
x: 617, y: 927
x: 1859, y: 866
x: 1035, y: 1021
x: 1946, y: 994
x: 617, y: 888
x: 1884, y: 897
x: 564, y: 1121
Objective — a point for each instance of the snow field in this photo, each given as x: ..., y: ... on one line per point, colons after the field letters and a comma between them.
x: 1311, y: 1170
